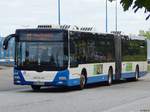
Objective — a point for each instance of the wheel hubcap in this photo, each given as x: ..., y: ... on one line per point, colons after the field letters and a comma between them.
x: 109, y: 80
x: 136, y: 75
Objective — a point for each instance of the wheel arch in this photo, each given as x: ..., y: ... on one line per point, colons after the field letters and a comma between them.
x: 111, y: 69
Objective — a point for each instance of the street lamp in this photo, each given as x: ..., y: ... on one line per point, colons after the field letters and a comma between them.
x: 59, y: 12
x: 116, y: 18
x: 106, y: 17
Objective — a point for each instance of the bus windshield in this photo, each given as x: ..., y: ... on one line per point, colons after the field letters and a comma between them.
x: 42, y: 56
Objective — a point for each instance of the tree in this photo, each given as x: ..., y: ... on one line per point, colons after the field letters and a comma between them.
x: 137, y: 4
x: 145, y: 33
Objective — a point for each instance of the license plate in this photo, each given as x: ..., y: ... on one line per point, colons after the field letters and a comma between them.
x: 39, y: 83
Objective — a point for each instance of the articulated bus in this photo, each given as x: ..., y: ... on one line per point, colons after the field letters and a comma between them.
x: 61, y: 57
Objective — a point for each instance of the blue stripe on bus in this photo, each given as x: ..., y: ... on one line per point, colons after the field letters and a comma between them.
x: 128, y: 75
x: 102, y: 78
x: 55, y: 82
x: 132, y: 74
x: 90, y: 80
x: 58, y: 82
x: 20, y: 81
x: 70, y: 82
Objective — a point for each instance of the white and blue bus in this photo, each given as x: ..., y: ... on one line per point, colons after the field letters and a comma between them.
x: 61, y: 57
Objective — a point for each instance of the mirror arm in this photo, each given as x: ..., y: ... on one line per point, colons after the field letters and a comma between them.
x: 5, y: 43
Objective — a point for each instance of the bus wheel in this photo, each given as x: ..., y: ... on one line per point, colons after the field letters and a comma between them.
x: 82, y: 81
x: 110, y: 74
x: 35, y: 87
x: 136, y: 73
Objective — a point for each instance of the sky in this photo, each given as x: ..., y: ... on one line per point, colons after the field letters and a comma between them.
x: 17, y: 14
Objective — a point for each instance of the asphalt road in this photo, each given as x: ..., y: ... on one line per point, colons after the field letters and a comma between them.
x: 120, y: 97
x: 6, y: 79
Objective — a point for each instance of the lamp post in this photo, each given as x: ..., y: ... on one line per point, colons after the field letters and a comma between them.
x: 106, y: 17
x: 116, y: 17
x: 59, y: 12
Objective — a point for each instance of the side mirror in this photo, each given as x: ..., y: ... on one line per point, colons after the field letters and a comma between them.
x: 5, y: 43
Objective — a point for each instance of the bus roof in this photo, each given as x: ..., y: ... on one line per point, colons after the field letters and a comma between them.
x: 134, y: 37
x: 58, y: 29
x: 38, y: 30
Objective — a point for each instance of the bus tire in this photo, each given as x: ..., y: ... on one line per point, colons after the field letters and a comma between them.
x: 136, y: 73
x: 110, y: 76
x: 35, y: 87
x: 82, y: 82
x: 83, y: 79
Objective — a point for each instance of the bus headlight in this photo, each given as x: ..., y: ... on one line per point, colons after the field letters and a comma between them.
x: 15, y: 72
x: 62, y: 78
x: 17, y: 77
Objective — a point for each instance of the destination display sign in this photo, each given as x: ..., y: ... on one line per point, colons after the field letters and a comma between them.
x: 41, y: 36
